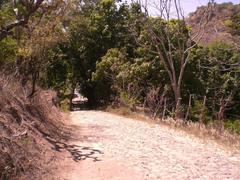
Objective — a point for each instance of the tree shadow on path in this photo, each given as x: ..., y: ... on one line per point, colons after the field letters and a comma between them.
x: 78, y: 153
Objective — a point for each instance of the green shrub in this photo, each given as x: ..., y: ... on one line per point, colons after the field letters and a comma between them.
x: 64, y: 105
x: 233, y: 125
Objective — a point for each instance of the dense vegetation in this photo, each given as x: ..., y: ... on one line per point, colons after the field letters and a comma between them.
x: 118, y: 54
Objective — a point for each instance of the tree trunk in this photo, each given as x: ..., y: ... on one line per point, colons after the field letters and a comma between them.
x: 164, y: 108
x: 74, y: 84
x: 214, y: 114
x: 178, y: 101
x: 221, y: 113
x: 34, y: 81
x: 189, y: 107
x: 160, y: 104
x: 202, y: 114
x: 90, y: 94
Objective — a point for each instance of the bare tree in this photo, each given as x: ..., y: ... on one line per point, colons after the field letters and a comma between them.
x: 172, y: 44
x: 155, y: 100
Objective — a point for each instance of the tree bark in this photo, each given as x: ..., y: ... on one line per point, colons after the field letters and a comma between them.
x: 178, y: 101
x: 189, y: 107
x: 202, y: 113
x: 74, y: 84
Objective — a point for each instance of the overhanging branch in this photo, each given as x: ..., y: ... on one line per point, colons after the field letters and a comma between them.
x: 31, y: 7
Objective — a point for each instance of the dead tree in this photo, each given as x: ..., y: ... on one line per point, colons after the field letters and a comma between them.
x: 155, y: 100
x: 165, y: 47
x: 224, y: 102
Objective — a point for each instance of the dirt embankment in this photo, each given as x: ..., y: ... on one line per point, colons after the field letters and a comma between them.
x: 26, y: 125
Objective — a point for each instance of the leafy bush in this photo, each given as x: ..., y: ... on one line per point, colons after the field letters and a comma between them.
x: 233, y: 125
x: 8, y: 50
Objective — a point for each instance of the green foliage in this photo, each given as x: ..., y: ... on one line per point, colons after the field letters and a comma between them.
x: 97, y: 29
x: 233, y: 125
x: 127, y: 78
x: 198, y: 110
x: 217, y: 71
x: 128, y: 99
x: 110, y: 65
x: 58, y: 72
x: 6, y: 13
x: 234, y: 23
x: 106, y: 73
x: 64, y: 105
x: 8, y: 51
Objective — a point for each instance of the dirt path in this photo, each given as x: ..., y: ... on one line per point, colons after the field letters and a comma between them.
x: 117, y: 148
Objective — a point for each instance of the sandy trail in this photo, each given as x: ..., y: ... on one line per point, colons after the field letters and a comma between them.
x: 118, y: 148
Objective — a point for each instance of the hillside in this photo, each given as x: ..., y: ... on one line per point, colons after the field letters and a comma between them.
x: 25, y: 128
x: 216, y: 30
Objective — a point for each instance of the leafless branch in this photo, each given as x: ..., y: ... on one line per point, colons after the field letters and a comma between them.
x: 162, y: 38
